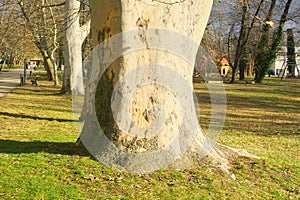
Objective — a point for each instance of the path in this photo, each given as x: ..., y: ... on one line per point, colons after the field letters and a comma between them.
x: 9, y: 81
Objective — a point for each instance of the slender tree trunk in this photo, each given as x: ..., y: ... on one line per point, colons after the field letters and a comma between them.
x: 55, y: 73
x: 11, y: 59
x: 239, y: 48
x: 74, y: 37
x: 4, y: 63
x: 48, y: 64
x: 244, y: 56
x: 229, y: 45
x: 242, y: 67
x: 291, y: 56
x: 55, y: 47
x: 250, y: 67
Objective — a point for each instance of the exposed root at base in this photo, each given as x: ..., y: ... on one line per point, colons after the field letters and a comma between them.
x: 220, y: 157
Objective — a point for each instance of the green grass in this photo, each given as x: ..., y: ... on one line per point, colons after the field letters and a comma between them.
x: 38, y: 158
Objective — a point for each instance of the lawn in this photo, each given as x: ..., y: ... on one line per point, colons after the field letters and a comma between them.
x: 38, y: 158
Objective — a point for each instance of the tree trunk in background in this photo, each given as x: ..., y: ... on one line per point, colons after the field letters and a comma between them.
x: 55, y: 46
x: 11, y: 60
x: 55, y: 72
x: 110, y: 17
x: 240, y: 47
x: 250, y: 68
x: 244, y: 55
x: 74, y: 37
x: 242, y: 67
x: 4, y: 63
x: 48, y: 64
x: 241, y: 53
x: 266, y: 54
x: 291, y: 57
x: 263, y: 45
x: 40, y: 38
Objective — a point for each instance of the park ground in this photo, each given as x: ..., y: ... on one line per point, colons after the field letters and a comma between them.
x: 38, y: 158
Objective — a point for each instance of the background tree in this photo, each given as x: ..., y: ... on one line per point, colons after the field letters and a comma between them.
x: 240, y: 43
x: 242, y: 55
x: 76, y: 32
x: 244, y: 26
x: 15, y: 40
x: 291, y: 56
x: 41, y: 17
x: 267, y: 49
x: 236, y: 22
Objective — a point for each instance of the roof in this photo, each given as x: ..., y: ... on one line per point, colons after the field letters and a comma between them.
x: 224, y: 61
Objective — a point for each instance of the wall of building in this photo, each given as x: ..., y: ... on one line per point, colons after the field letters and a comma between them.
x: 280, y: 64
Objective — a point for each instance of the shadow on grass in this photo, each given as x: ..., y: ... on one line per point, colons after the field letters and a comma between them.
x: 64, y: 148
x: 35, y: 117
x: 38, y: 93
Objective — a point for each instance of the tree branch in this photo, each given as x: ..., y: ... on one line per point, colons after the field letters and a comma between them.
x: 54, y: 5
x: 85, y: 30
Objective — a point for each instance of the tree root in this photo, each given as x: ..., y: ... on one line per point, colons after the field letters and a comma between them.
x: 211, y: 155
x: 206, y: 153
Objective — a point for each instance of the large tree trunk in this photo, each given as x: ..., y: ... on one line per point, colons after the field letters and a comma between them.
x: 74, y: 37
x: 127, y: 109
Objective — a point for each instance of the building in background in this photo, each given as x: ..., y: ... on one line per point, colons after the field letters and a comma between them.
x: 280, y: 66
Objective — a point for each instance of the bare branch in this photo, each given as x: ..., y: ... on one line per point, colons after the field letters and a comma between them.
x: 85, y: 30
x: 54, y: 5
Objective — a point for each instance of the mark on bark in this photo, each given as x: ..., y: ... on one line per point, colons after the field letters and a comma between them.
x: 142, y: 25
x: 146, y: 115
x: 169, y: 3
x: 107, y: 31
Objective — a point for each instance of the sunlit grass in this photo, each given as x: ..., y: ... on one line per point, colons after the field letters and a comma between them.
x: 38, y: 158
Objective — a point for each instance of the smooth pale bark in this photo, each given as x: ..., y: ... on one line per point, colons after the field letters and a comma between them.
x: 55, y: 47
x: 74, y: 37
x: 110, y: 17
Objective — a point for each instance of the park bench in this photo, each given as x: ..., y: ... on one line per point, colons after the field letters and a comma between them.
x: 34, y: 81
